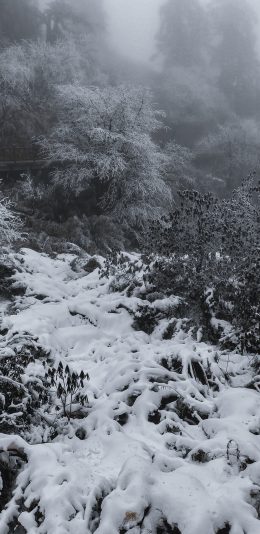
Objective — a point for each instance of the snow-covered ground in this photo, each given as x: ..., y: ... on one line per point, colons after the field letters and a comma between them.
x: 171, y: 439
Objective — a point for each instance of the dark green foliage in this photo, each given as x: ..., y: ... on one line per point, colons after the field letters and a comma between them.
x: 122, y: 418
x: 256, y: 365
x: 145, y: 319
x: 9, y: 288
x: 126, y: 273
x: 200, y: 456
x: 172, y: 364
x: 209, y: 253
x: 154, y: 417
x: 19, y: 402
x: 238, y: 300
x: 6, y: 272
x: 9, y: 468
x: 68, y: 386
x: 91, y: 265
x: 81, y: 433
x: 165, y: 528
x: 132, y: 398
x: 186, y: 412
x: 225, y: 530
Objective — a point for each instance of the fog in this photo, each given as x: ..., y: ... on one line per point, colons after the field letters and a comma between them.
x: 200, y: 60
x: 129, y: 266
x: 133, y: 25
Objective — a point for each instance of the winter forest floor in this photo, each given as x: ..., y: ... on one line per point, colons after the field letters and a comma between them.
x: 168, y: 441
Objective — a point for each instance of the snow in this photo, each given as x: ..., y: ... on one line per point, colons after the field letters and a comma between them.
x: 132, y: 470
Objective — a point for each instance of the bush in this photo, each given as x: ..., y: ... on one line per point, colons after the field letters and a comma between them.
x: 208, y: 253
x: 126, y: 272
x: 10, y: 224
x: 68, y: 388
x: 19, y: 402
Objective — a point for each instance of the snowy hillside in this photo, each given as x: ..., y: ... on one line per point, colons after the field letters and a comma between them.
x: 168, y: 440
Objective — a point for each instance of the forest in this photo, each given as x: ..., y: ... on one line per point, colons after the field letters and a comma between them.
x: 129, y: 269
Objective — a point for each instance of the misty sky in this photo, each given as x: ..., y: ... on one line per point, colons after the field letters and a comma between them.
x: 133, y: 24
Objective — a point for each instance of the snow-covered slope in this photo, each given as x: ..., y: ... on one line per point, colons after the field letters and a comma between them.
x: 171, y: 441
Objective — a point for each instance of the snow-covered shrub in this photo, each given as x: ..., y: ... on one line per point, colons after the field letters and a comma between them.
x: 160, y: 416
x: 6, y: 282
x: 28, y: 74
x: 95, y: 234
x: 20, y: 399
x: 68, y: 387
x: 246, y: 302
x: 126, y: 271
x: 10, y: 226
x: 230, y: 151
x: 180, y: 167
x: 105, y: 234
x: 91, y: 265
x: 9, y: 223
x: 209, y: 254
x: 145, y: 319
x: 51, y: 230
x: 31, y: 193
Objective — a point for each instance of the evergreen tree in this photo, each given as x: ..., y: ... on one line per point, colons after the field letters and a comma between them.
x: 19, y: 19
x: 235, y: 56
x: 64, y: 18
x: 183, y: 33
x: 186, y: 85
x: 232, y: 150
x: 29, y: 73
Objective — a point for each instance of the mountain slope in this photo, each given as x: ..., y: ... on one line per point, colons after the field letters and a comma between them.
x: 168, y: 441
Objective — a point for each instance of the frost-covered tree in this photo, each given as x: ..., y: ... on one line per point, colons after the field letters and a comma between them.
x: 209, y: 254
x: 19, y: 20
x: 183, y: 33
x: 29, y: 73
x: 180, y: 170
x: 209, y: 65
x: 231, y: 151
x: 9, y: 223
x: 235, y: 54
x: 83, y: 22
x: 186, y: 84
x: 64, y: 18
x: 103, y: 143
